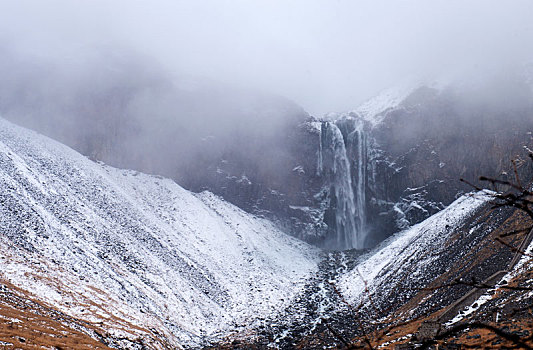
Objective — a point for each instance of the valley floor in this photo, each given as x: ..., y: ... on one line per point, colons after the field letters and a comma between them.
x: 476, y: 290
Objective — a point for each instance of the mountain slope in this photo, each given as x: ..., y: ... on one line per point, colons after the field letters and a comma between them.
x: 406, y: 257
x: 137, y: 254
x: 456, y: 266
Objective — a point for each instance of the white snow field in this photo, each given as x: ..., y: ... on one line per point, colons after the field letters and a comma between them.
x: 129, y: 250
x: 373, y: 110
x: 412, y: 249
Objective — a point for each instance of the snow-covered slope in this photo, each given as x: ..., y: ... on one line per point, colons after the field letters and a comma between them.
x: 137, y: 254
x: 408, y: 252
x: 374, y: 110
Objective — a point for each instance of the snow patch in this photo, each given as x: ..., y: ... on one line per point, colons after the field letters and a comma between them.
x: 373, y: 109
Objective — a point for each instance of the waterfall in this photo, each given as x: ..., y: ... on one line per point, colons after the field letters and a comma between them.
x: 320, y: 167
x: 361, y: 186
x: 345, y: 170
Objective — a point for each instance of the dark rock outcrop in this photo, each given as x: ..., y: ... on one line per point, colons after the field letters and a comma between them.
x: 436, y: 137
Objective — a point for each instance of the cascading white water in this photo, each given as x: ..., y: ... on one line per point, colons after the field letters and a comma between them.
x: 361, y: 186
x: 350, y: 200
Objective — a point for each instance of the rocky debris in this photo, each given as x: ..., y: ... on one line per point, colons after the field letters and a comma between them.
x: 315, y: 313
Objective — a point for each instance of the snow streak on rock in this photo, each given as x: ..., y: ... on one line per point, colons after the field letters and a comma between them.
x: 137, y: 252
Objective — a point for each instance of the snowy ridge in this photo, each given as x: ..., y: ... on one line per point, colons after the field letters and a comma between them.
x: 373, y: 110
x: 419, y: 244
x: 137, y: 252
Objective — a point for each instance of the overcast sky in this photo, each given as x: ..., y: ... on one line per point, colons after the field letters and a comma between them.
x: 326, y: 55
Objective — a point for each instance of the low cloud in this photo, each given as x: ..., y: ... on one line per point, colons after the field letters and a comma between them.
x: 325, y: 55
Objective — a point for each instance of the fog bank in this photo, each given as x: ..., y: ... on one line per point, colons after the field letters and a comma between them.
x: 325, y: 55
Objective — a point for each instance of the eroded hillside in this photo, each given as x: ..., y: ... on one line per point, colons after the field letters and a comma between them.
x: 142, y: 255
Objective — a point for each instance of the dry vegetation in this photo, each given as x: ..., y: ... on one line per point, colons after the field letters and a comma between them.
x: 27, y: 324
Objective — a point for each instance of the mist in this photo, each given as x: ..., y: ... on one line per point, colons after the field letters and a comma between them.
x: 324, y: 55
x: 232, y: 97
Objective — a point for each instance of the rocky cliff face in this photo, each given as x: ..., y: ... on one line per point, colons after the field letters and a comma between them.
x: 408, y: 165
x: 360, y: 176
x: 436, y: 137
x: 353, y: 179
